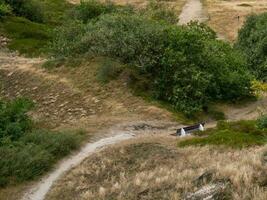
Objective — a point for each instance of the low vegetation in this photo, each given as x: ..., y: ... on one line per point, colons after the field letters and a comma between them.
x: 29, y: 23
x: 232, y: 134
x: 27, y: 152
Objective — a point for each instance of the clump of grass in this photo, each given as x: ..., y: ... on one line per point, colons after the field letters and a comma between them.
x: 27, y: 37
x: 245, y: 5
x: 230, y: 134
x: 108, y: 71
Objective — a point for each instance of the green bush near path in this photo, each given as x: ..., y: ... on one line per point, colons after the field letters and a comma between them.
x: 25, y: 151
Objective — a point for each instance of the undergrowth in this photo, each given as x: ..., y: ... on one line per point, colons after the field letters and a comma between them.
x: 27, y: 152
x: 29, y: 23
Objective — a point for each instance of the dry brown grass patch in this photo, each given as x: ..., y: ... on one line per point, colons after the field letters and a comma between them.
x: 152, y: 169
x: 223, y: 15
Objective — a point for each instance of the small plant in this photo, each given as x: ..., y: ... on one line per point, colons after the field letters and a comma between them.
x: 262, y: 122
x: 5, y: 9
x: 108, y: 71
x: 88, y: 10
x: 14, y: 121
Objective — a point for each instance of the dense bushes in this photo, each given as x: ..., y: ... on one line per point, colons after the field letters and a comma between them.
x: 252, y: 40
x: 31, y: 9
x: 183, y: 65
x: 91, y: 9
x: 26, y: 152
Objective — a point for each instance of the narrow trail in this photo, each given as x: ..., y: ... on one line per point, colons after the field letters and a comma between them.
x: 39, y: 191
x: 192, y: 11
x: 60, y: 102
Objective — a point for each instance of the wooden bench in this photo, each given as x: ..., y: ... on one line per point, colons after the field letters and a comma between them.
x: 189, y: 129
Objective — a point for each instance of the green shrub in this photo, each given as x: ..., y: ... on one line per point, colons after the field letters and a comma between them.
x: 5, y: 9
x: 92, y: 9
x: 34, y: 154
x: 26, y: 152
x: 22, y: 162
x: 159, y: 11
x: 262, y: 122
x: 58, y: 144
x: 238, y: 134
x: 108, y: 71
x: 252, y: 40
x: 14, y: 121
x: 185, y: 65
x: 31, y: 9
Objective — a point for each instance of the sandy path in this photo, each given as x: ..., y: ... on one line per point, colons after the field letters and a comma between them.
x: 39, y: 191
x: 192, y: 11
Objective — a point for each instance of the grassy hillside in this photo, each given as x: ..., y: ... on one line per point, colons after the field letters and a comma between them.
x: 30, y: 36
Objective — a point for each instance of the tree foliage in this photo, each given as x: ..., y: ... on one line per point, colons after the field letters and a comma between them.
x: 30, y: 9
x: 184, y: 65
x: 252, y: 40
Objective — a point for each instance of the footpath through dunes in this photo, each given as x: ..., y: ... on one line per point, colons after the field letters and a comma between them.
x: 192, y: 11
x: 71, y: 98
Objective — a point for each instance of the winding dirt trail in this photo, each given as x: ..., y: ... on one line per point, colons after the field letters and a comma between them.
x: 60, y: 89
x: 63, y: 104
x: 39, y: 191
x: 192, y: 11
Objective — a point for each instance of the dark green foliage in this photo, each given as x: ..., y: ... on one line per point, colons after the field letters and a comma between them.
x: 185, y: 65
x: 252, y: 40
x: 231, y: 134
x: 262, y: 122
x: 26, y: 152
x: 5, y: 9
x: 88, y: 10
x: 33, y: 154
x: 14, y: 121
x: 31, y: 9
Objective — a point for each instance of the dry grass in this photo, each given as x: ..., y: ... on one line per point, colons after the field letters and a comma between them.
x: 223, y: 15
x: 152, y: 168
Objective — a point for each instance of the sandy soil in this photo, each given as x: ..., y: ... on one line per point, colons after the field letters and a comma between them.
x: 192, y: 11
x: 227, y: 17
